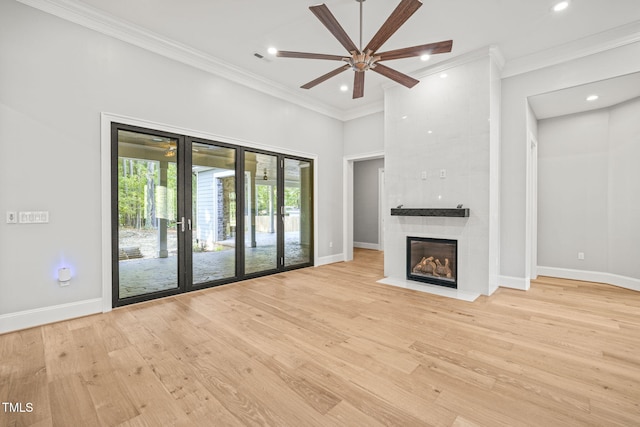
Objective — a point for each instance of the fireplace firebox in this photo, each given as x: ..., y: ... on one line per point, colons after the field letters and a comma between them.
x: 433, y: 261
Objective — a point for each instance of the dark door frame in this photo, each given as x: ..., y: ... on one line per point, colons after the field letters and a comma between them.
x: 184, y: 164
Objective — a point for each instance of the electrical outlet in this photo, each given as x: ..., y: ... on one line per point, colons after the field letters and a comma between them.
x: 580, y: 255
x: 12, y: 218
x: 443, y: 173
x: 423, y: 175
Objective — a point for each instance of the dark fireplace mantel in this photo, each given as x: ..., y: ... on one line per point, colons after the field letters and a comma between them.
x: 446, y: 212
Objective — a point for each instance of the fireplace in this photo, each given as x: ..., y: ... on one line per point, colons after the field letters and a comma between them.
x: 432, y: 261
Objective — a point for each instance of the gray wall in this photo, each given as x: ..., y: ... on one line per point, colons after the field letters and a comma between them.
x: 365, y: 201
x: 589, y: 182
x: 624, y: 190
x: 56, y: 78
x: 572, y: 191
x: 514, y: 139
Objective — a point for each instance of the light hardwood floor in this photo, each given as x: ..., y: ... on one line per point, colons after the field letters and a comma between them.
x: 328, y: 346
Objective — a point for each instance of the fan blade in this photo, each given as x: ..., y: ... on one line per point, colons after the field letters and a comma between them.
x: 405, y: 9
x: 325, y: 16
x: 305, y: 55
x: 396, y: 76
x: 358, y: 84
x: 407, y: 52
x: 324, y: 77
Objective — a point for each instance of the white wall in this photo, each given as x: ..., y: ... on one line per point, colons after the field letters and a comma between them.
x: 495, y: 112
x: 365, y: 201
x: 364, y: 135
x: 624, y: 190
x: 573, y: 191
x: 514, y: 145
x: 589, y: 182
x: 55, y: 80
x: 442, y: 124
x: 363, y: 140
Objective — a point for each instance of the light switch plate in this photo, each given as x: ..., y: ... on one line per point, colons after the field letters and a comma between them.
x: 12, y: 217
x: 36, y: 217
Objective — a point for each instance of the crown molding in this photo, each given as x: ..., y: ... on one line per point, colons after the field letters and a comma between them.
x: 364, y: 110
x: 447, y: 64
x: 498, y: 58
x: 464, y: 58
x: 590, y: 45
x: 97, y: 20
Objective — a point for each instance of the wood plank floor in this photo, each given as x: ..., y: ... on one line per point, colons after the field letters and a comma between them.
x: 328, y: 346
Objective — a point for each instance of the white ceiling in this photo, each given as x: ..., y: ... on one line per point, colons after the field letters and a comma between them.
x: 233, y: 30
x: 574, y: 99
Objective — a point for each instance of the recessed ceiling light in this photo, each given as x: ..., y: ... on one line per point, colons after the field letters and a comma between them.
x: 344, y: 88
x: 272, y: 50
x: 561, y: 6
x: 592, y: 97
x: 444, y: 75
x: 430, y: 132
x: 425, y: 57
x: 404, y: 117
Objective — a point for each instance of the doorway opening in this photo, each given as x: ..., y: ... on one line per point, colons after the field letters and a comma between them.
x: 374, y: 198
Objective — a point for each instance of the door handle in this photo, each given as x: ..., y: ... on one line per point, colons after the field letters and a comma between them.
x: 181, y: 223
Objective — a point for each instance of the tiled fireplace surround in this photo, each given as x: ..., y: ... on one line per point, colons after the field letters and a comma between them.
x: 446, y: 126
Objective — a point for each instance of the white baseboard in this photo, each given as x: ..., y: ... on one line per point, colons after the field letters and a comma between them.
x: 363, y: 245
x: 591, y: 276
x: 329, y: 259
x: 41, y: 316
x: 520, y: 283
x: 492, y: 288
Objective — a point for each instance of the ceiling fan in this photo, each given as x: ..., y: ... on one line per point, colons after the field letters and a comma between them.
x: 369, y: 58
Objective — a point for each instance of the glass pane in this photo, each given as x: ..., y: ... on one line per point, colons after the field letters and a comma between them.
x: 213, y: 183
x: 147, y: 208
x: 298, y: 208
x: 260, y: 230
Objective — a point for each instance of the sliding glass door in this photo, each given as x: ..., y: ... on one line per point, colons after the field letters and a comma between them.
x: 260, y: 218
x: 298, y: 212
x: 146, y: 254
x: 191, y: 213
x: 212, y: 217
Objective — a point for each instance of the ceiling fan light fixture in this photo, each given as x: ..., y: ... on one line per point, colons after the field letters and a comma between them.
x: 362, y: 61
x: 272, y: 50
x: 369, y: 57
x: 425, y: 57
x: 344, y: 88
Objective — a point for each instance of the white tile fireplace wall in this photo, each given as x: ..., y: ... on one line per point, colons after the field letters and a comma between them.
x: 442, y: 149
